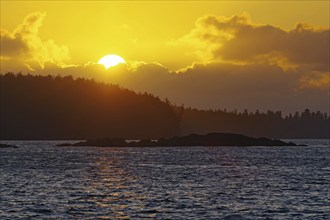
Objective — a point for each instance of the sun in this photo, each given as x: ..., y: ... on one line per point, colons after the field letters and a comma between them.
x: 111, y: 60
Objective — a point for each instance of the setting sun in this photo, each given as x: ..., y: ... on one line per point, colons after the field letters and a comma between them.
x: 111, y: 60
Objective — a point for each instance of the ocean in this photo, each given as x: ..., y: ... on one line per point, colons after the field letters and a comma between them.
x: 41, y: 181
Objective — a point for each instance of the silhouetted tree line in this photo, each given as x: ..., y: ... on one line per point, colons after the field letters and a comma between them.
x: 270, y: 124
x: 48, y: 107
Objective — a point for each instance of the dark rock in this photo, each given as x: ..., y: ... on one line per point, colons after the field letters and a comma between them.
x: 142, y: 143
x: 64, y: 145
x: 7, y: 146
x: 211, y: 139
x: 220, y: 139
x: 105, y: 142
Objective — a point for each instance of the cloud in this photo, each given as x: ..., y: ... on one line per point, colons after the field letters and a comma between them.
x: 316, y: 80
x: 10, y: 45
x: 237, y: 39
x: 25, y: 45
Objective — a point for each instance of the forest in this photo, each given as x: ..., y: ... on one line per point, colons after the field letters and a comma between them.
x: 48, y: 107
x: 55, y: 107
x: 272, y: 124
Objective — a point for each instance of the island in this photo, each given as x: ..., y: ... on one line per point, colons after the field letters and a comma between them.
x: 7, y: 146
x: 211, y: 139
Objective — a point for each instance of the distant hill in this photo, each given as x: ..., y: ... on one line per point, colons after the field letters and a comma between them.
x: 256, y: 124
x: 47, y: 107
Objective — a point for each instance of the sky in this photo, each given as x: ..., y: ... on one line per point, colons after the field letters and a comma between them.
x: 266, y: 55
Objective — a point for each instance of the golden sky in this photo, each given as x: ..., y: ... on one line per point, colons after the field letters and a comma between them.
x: 238, y: 47
x: 143, y: 30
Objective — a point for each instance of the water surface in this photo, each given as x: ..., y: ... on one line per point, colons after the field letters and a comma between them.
x: 39, y: 180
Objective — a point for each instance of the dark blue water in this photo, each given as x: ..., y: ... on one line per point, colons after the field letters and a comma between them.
x: 40, y: 181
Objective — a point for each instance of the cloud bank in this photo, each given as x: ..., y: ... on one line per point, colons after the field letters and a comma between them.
x: 216, y: 85
x: 238, y: 39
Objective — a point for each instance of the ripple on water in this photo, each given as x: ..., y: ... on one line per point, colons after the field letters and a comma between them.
x: 39, y: 180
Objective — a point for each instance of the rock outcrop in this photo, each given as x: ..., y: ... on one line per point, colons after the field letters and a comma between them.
x: 7, y: 146
x: 211, y: 139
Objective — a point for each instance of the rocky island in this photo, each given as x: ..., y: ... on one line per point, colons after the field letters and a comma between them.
x: 211, y: 139
x: 7, y: 146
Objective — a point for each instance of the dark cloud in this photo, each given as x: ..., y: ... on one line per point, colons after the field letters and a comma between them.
x: 11, y: 46
x: 25, y: 46
x: 238, y: 39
